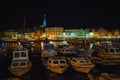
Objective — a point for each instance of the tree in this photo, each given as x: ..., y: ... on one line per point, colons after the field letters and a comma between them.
x: 102, y: 32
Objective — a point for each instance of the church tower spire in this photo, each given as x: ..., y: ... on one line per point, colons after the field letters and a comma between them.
x: 44, y: 20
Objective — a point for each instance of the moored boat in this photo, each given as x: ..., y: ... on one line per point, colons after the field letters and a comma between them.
x: 67, y: 50
x: 108, y: 76
x: 3, y: 54
x: 48, y: 50
x: 20, y: 62
x: 107, y: 56
x: 57, y: 64
x: 82, y: 64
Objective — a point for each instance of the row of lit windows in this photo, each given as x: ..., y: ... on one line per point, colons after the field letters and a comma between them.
x: 53, y: 33
x: 61, y: 29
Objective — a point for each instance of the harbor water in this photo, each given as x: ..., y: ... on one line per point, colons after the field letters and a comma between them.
x: 38, y: 70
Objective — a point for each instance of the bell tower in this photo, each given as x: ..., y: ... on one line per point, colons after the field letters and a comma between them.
x: 44, y: 20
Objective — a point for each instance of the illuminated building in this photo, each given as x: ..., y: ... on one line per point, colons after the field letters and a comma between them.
x: 10, y: 35
x: 74, y: 33
x: 54, y: 32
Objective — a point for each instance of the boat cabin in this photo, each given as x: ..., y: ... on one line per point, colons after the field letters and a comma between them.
x: 67, y: 50
x: 113, y: 50
x: 80, y: 61
x: 48, y: 46
x: 57, y: 61
x: 20, y: 55
x: 19, y: 64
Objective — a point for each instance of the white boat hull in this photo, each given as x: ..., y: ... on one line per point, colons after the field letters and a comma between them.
x: 57, y: 69
x: 83, y: 69
x: 19, y: 71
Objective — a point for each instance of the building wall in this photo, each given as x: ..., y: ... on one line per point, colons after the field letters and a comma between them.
x: 54, y: 32
x: 75, y: 33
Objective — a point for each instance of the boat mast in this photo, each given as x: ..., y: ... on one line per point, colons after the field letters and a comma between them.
x: 24, y: 26
x: 23, y: 30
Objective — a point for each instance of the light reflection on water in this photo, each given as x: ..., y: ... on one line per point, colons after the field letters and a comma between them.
x: 37, y: 45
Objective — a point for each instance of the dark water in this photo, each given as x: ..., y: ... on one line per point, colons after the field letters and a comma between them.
x: 39, y: 72
x: 36, y: 73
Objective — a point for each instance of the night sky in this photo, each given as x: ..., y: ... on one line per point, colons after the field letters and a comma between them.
x: 79, y: 14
